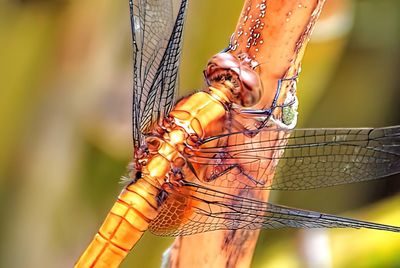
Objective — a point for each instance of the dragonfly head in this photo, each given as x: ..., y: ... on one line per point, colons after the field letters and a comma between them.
x: 236, y: 76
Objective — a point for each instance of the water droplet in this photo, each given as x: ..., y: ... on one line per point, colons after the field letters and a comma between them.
x: 253, y: 63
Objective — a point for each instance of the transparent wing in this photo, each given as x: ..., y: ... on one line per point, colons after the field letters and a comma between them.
x: 157, y: 42
x: 301, y: 159
x: 213, y: 210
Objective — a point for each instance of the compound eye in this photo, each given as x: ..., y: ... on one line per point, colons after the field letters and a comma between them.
x: 250, y: 92
x: 237, y: 76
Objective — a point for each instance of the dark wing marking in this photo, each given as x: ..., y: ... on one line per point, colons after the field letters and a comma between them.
x: 307, y: 158
x: 215, y: 210
x: 157, y: 42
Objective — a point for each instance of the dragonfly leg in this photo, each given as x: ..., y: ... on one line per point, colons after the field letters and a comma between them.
x: 170, y: 185
x: 248, y: 176
x: 266, y: 114
x: 162, y: 195
x: 229, y: 168
x: 220, y: 172
x: 174, y: 176
x: 230, y: 45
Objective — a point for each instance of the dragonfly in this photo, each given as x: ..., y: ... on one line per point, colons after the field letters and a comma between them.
x: 203, y: 163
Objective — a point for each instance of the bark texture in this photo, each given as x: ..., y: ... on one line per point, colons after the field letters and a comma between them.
x: 274, y: 33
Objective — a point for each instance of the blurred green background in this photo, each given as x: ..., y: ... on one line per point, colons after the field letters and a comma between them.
x: 65, y: 139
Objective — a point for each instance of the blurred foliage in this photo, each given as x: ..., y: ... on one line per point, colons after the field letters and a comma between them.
x: 347, y: 248
x: 66, y: 74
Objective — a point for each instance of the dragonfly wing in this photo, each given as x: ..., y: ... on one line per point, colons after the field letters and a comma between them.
x: 215, y: 210
x: 336, y: 157
x: 157, y: 42
x: 299, y: 159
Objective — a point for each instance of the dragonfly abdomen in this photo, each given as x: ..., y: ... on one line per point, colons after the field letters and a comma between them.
x: 123, y: 227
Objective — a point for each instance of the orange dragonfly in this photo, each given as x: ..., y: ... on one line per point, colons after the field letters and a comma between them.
x: 200, y: 163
